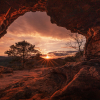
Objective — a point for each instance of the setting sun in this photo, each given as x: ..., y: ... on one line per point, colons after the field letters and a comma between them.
x: 47, y: 57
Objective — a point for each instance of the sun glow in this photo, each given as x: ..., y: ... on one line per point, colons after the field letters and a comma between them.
x: 47, y: 57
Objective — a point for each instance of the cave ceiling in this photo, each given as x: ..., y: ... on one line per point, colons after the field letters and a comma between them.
x: 75, y: 15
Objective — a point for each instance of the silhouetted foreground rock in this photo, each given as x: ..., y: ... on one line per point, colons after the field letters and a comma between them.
x: 37, y: 89
x: 77, y: 82
x: 84, y: 85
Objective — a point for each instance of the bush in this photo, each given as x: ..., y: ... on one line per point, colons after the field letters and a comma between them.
x: 79, y: 54
x: 70, y: 59
x: 75, y: 58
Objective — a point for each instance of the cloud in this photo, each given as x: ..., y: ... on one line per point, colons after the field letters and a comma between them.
x: 37, y: 23
x: 61, y: 53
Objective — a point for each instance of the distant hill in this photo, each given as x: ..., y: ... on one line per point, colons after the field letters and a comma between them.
x: 4, y: 61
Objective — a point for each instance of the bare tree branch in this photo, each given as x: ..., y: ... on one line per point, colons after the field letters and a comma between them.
x: 78, y: 41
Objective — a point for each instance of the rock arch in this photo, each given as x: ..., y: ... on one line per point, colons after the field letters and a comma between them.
x: 76, y: 15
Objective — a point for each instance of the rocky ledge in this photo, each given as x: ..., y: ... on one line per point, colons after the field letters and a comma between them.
x: 80, y: 81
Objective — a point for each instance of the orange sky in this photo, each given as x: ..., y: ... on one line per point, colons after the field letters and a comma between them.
x: 36, y: 28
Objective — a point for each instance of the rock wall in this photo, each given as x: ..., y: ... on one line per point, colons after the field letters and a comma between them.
x: 92, y: 47
x: 12, y: 9
x: 84, y: 83
x: 82, y: 16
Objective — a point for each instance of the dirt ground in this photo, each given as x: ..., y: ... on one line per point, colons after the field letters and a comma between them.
x: 11, y: 78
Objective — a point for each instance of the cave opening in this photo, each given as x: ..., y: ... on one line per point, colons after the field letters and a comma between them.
x: 36, y: 28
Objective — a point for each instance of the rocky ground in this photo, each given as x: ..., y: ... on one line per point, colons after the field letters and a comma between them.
x: 75, y: 81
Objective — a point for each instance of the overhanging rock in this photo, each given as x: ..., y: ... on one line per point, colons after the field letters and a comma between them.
x: 82, y: 16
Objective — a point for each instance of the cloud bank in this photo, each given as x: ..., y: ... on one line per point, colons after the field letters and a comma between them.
x: 61, y: 53
x: 37, y: 23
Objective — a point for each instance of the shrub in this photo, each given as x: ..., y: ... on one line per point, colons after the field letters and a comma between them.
x: 79, y: 54
x: 75, y: 58
x: 70, y: 59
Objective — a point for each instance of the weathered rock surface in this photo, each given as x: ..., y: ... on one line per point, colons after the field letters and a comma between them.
x: 79, y: 16
x: 84, y: 83
x: 77, y: 82
x: 34, y: 88
x: 12, y: 9
x: 75, y: 15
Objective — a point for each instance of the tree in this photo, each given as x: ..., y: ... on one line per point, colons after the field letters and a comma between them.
x: 22, y: 50
x: 78, y: 42
x: 38, y: 56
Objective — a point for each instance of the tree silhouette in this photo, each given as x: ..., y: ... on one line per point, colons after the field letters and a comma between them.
x: 22, y: 50
x: 38, y: 56
x: 78, y: 42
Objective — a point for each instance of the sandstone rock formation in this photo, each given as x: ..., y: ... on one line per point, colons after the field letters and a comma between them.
x: 12, y: 9
x: 78, y: 82
x: 79, y: 16
x: 84, y: 83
